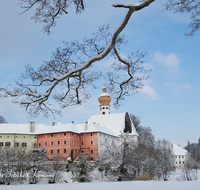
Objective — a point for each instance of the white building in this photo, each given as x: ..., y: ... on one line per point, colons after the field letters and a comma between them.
x: 180, y: 155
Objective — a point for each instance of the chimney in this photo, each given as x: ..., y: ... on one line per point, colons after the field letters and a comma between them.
x: 53, y: 123
x: 32, y: 126
x: 72, y: 122
x: 86, y: 126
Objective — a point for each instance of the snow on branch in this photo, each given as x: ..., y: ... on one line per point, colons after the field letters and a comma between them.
x: 67, y: 75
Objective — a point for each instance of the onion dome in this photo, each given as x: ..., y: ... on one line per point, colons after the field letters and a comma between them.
x: 104, y: 98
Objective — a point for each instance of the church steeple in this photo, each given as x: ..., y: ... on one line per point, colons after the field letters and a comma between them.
x: 104, y: 100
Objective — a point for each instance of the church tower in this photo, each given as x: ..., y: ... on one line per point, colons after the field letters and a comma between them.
x: 104, y: 100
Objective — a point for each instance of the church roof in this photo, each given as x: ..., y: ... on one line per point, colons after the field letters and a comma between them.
x: 118, y: 122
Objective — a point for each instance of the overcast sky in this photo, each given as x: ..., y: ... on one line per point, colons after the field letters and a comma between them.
x: 169, y: 103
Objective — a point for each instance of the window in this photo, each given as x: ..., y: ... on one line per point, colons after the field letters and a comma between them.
x: 75, y: 151
x: 24, y: 137
x: 179, y: 157
x: 39, y: 144
x: 34, y: 137
x: 81, y: 135
x: 183, y: 162
x: 51, y: 135
x: 51, y: 151
x: 7, y: 143
x: 91, y: 151
x: 25, y: 144
x: 7, y: 136
x: 1, y: 143
x: 103, y: 112
x: 182, y: 156
x: 15, y: 136
x: 103, y: 108
x: 72, y: 134
x: 180, y: 162
x: 35, y: 144
x: 58, y: 151
x: 91, y: 142
x: 82, y: 151
x: 82, y: 143
x: 58, y: 142
x: 91, y: 159
x: 106, y: 107
x: 45, y: 143
x: 51, y: 143
x: 64, y: 141
x: 64, y: 151
x: 100, y: 134
x: 64, y: 134
x: 72, y: 142
x: 91, y: 134
x: 0, y: 136
x: 75, y: 142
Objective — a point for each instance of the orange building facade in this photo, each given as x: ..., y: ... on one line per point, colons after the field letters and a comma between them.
x: 61, y: 144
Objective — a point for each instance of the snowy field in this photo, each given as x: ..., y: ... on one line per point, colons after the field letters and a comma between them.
x: 148, y: 185
x: 174, y: 183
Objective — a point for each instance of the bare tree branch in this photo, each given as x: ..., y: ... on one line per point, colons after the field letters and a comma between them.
x: 69, y: 71
x: 191, y: 7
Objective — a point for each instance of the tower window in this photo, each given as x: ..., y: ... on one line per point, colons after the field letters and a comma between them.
x: 106, y: 107
x: 103, y: 112
x: 103, y: 107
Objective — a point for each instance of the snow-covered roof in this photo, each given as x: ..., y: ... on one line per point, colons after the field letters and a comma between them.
x: 44, y: 129
x: 177, y: 150
x: 96, y: 128
x: 114, y: 122
x: 6, y: 128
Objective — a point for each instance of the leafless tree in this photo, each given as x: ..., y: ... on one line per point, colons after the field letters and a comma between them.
x: 187, y: 6
x: 165, y: 158
x: 6, y: 164
x: 67, y: 75
x: 117, y: 162
x: 2, y: 120
x: 190, y: 169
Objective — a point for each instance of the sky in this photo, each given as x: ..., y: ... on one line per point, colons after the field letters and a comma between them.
x: 169, y: 101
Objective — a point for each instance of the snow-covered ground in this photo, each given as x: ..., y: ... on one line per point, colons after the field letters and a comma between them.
x: 147, y: 185
x: 174, y: 183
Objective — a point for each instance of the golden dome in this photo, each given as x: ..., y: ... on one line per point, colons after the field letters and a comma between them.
x: 104, y: 98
